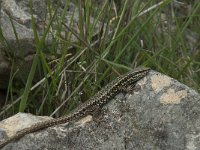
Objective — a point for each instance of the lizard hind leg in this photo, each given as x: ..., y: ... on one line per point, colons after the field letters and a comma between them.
x: 128, y: 89
x: 131, y: 88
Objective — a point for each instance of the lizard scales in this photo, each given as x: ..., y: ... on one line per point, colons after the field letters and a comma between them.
x: 90, y: 106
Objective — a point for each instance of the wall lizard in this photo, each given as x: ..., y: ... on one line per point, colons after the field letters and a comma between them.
x: 120, y: 84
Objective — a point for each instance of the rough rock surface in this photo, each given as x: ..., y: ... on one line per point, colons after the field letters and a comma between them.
x: 19, y: 13
x: 162, y: 114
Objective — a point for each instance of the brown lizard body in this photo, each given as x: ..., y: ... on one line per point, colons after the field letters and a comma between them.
x: 88, y: 108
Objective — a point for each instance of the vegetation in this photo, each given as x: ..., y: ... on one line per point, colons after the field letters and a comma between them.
x: 130, y: 34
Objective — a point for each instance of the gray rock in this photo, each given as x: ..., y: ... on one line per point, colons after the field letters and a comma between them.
x: 162, y: 114
x: 20, y: 15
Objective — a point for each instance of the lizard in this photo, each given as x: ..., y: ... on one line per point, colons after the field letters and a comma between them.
x: 123, y: 83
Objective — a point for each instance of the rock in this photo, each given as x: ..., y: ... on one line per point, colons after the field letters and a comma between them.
x: 161, y: 114
x: 19, y: 12
x: 20, y: 121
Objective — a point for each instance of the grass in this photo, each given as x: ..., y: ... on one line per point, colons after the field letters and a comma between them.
x: 136, y: 34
